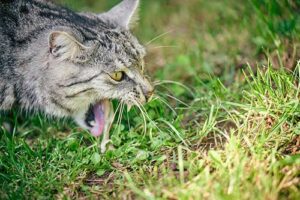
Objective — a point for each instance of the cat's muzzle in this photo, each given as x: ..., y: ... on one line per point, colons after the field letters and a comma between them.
x: 98, y: 118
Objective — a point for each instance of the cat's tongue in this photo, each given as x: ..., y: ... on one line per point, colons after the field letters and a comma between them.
x: 99, y: 113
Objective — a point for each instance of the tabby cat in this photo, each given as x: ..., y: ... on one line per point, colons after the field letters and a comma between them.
x: 69, y: 64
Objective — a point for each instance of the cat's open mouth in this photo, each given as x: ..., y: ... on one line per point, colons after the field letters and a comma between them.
x: 99, y: 117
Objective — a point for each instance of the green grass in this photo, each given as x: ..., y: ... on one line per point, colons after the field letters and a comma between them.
x: 225, y: 123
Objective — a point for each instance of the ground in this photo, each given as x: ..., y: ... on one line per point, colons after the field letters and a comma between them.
x: 224, y: 123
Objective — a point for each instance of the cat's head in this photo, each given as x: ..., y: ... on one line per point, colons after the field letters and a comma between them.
x: 91, y: 71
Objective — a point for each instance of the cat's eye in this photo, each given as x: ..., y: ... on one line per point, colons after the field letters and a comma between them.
x: 117, y: 76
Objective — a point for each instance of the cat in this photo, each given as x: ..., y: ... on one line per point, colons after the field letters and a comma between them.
x: 68, y: 64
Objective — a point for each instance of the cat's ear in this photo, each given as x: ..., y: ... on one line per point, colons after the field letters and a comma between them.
x: 65, y: 46
x: 125, y: 14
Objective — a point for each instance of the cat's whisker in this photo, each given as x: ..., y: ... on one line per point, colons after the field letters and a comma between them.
x: 160, y: 47
x: 152, y: 121
x: 143, y: 114
x: 142, y: 109
x: 163, y: 82
x: 116, y: 111
x: 159, y: 36
x: 120, y: 116
x: 172, y: 97
x: 168, y: 105
x: 128, y: 120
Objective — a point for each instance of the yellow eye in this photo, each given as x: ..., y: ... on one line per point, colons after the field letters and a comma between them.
x: 117, y: 76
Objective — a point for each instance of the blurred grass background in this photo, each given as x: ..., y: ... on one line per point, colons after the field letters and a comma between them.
x: 230, y: 132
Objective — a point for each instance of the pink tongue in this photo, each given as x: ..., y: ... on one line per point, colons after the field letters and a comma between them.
x: 99, y: 120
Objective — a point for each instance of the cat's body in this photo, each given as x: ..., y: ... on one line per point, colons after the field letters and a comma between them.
x: 67, y: 64
x: 24, y: 27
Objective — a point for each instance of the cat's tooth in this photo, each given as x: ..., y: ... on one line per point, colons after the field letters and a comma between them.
x: 92, y: 123
x: 107, y: 107
x: 129, y: 107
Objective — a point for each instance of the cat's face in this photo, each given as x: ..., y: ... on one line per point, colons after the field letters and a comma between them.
x: 88, y: 74
x: 123, y: 69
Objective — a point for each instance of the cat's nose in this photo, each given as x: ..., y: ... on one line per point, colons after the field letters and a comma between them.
x: 148, y: 89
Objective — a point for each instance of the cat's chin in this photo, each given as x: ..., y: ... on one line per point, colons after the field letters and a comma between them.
x: 97, y: 118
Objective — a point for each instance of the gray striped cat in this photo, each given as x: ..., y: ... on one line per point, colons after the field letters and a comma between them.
x: 69, y: 64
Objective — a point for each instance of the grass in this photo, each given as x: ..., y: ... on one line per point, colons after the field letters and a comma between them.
x: 226, y: 126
